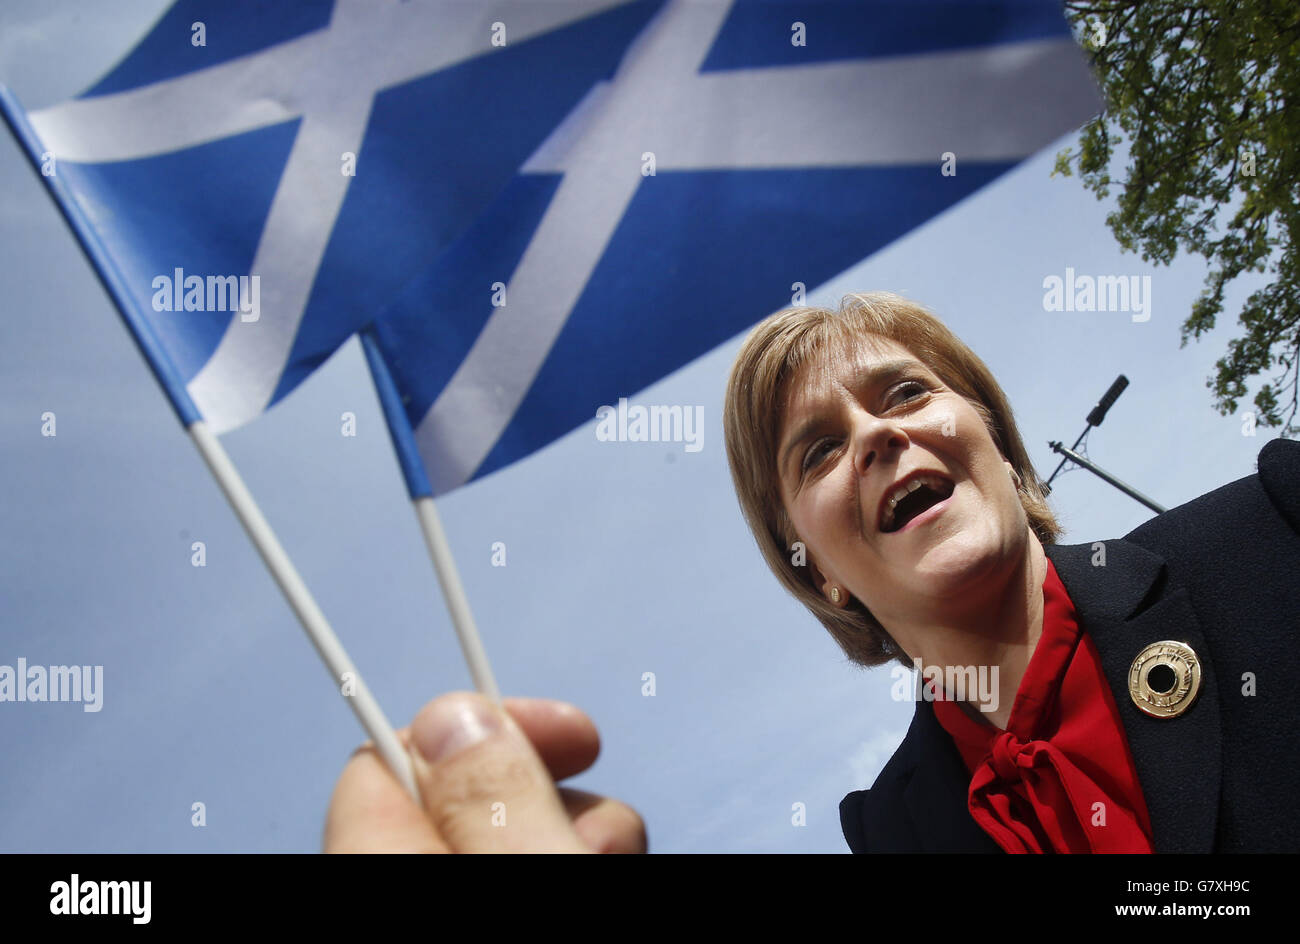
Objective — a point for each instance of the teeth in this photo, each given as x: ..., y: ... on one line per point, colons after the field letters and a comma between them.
x: 898, y: 494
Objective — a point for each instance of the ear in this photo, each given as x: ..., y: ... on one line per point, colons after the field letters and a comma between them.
x: 1012, y: 473
x: 826, y: 585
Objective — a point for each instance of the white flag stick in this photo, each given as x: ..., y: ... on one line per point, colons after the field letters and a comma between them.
x: 454, y: 593
x: 241, y: 500
x: 309, y: 614
x: 444, y: 564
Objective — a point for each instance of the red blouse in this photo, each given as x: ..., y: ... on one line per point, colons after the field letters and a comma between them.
x: 1060, y: 778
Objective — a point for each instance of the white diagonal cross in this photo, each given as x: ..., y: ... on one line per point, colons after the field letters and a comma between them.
x: 901, y: 110
x: 330, y: 78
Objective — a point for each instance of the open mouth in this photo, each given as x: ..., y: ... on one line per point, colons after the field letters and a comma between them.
x: 913, y: 496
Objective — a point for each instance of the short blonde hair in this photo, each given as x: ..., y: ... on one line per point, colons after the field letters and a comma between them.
x: 771, y: 357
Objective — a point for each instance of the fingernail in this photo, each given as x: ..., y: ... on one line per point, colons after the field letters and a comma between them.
x: 443, y: 729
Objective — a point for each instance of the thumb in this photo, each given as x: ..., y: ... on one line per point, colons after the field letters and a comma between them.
x: 482, y: 783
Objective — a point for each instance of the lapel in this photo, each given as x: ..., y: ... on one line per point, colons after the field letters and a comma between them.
x: 936, y: 795
x: 1123, y: 606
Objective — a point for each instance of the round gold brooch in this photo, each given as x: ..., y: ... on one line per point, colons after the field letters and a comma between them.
x: 1165, y: 678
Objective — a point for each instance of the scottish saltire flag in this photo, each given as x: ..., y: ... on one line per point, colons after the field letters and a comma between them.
x: 737, y: 149
x: 258, y: 178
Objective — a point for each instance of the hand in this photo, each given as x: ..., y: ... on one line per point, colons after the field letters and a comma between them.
x: 485, y: 787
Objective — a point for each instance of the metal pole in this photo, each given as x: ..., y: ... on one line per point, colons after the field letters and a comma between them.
x: 1047, y: 486
x: 1094, y: 419
x: 1106, y: 476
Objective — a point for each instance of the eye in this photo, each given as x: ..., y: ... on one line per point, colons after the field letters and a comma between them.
x: 906, y: 391
x: 815, y: 453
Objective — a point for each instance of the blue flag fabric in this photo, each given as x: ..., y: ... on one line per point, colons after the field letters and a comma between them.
x: 533, y: 209
x: 255, y: 181
x: 738, y: 149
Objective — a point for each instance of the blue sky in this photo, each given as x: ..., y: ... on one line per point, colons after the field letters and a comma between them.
x: 622, y: 558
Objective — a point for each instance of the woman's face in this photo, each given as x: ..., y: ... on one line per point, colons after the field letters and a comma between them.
x: 856, y: 427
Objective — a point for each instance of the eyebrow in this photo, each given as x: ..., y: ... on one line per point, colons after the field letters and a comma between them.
x: 872, y: 378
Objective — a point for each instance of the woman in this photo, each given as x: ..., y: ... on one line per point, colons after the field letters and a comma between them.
x: 879, y: 467
x: 1140, y: 692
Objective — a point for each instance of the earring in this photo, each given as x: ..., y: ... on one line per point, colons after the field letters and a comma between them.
x: 835, y: 594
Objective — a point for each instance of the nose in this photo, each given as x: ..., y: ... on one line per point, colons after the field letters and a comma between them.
x: 876, y: 437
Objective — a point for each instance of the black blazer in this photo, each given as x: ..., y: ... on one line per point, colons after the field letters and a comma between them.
x: 1220, y: 573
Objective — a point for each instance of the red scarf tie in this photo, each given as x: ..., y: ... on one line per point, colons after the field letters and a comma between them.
x: 1060, y: 778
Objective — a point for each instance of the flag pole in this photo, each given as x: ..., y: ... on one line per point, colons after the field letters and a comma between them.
x: 453, y: 592
x: 241, y: 500
x: 435, y: 538
x: 318, y: 629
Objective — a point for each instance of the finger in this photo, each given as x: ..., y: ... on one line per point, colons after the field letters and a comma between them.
x: 371, y: 811
x: 605, y: 825
x: 565, y: 738
x: 481, y: 782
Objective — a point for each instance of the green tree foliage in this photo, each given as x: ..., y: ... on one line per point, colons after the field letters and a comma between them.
x: 1200, y: 92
